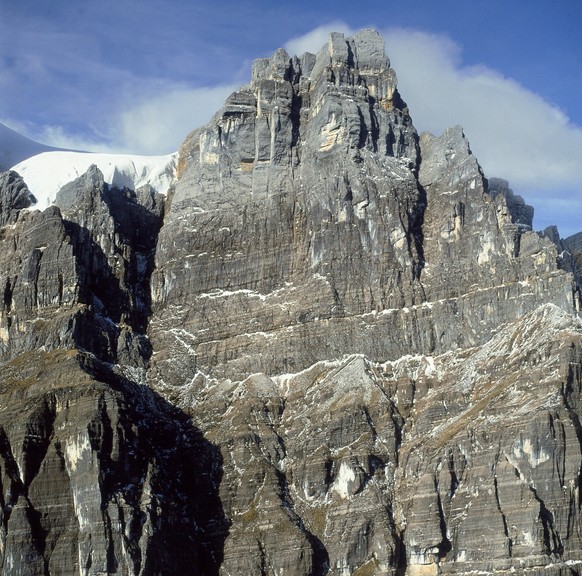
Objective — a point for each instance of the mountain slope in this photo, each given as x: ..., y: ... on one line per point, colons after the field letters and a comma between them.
x: 323, y: 278
x: 15, y: 148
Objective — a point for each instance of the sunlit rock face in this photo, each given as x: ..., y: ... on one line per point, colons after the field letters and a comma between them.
x: 334, y: 348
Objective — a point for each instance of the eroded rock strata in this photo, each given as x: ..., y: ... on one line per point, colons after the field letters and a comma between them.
x: 335, y: 347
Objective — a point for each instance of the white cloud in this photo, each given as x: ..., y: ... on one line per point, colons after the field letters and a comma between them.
x: 62, y: 138
x: 151, y: 126
x: 160, y: 124
x: 514, y: 132
x: 316, y: 38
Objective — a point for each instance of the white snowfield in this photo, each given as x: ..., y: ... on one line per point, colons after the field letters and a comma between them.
x: 45, y: 174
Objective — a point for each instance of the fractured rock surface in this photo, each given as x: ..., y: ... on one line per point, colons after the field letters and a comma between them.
x: 335, y: 348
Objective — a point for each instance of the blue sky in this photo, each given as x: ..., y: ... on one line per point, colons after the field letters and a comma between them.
x: 123, y: 75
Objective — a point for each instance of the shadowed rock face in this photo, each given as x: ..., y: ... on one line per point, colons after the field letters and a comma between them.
x: 100, y: 476
x: 336, y: 348
x: 98, y: 473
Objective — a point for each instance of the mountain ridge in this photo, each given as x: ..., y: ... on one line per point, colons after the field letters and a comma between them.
x: 46, y: 173
x: 46, y: 169
x: 14, y: 147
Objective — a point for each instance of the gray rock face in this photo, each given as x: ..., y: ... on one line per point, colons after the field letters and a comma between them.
x: 303, y: 211
x: 461, y: 462
x: 569, y: 256
x: 285, y: 190
x: 14, y: 196
x: 336, y: 348
x: 520, y: 212
x: 87, y: 268
x: 100, y: 476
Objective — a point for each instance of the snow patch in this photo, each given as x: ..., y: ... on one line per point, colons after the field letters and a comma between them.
x: 219, y: 293
x: 45, y: 174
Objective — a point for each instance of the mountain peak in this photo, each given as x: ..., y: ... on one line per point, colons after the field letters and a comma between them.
x: 295, y: 109
x: 364, y: 51
x: 353, y: 61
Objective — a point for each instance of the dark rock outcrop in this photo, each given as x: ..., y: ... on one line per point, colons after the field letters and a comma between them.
x: 14, y: 196
x: 521, y: 213
x: 335, y: 348
x: 100, y: 476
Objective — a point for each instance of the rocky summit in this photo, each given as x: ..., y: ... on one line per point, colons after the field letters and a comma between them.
x: 333, y: 348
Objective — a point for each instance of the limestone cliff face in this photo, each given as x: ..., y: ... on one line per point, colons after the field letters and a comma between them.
x: 304, y: 210
x: 300, y: 200
x: 335, y: 348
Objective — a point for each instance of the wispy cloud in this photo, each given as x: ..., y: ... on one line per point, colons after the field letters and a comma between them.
x: 159, y: 125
